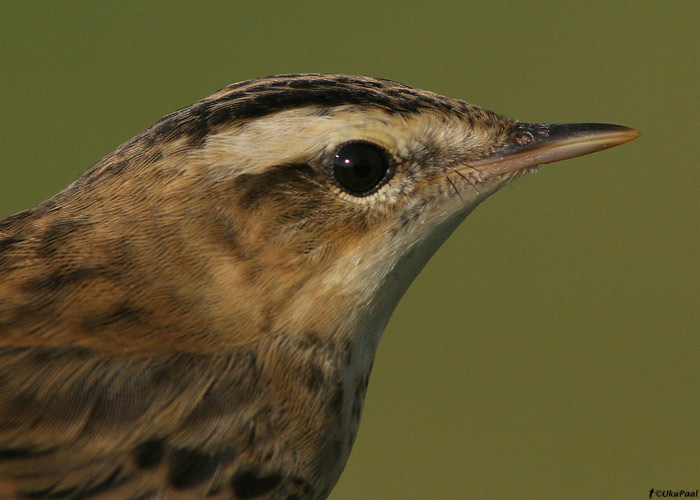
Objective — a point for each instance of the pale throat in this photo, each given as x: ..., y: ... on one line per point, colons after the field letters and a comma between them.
x: 375, y: 276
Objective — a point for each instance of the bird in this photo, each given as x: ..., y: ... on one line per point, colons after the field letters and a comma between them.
x: 198, y: 314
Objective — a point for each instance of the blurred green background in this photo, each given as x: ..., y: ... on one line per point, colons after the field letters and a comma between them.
x: 551, y: 349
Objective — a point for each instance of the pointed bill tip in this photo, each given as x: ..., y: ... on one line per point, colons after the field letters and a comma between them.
x: 532, y: 144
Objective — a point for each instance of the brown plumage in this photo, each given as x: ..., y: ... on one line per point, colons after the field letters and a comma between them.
x: 197, y: 316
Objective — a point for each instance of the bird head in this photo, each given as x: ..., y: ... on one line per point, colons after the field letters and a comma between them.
x: 300, y: 203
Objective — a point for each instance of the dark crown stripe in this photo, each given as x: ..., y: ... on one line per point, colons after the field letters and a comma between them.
x: 264, y: 96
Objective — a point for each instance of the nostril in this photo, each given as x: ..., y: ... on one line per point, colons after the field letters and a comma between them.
x: 522, y: 138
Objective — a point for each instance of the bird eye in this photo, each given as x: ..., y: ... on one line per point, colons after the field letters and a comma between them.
x: 360, y: 168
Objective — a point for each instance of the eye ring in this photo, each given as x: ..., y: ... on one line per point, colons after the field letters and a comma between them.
x: 361, y: 168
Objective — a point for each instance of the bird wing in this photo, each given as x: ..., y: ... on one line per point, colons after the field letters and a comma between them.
x: 77, y: 424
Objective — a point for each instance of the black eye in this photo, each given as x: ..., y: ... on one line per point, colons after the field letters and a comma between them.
x: 360, y: 168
